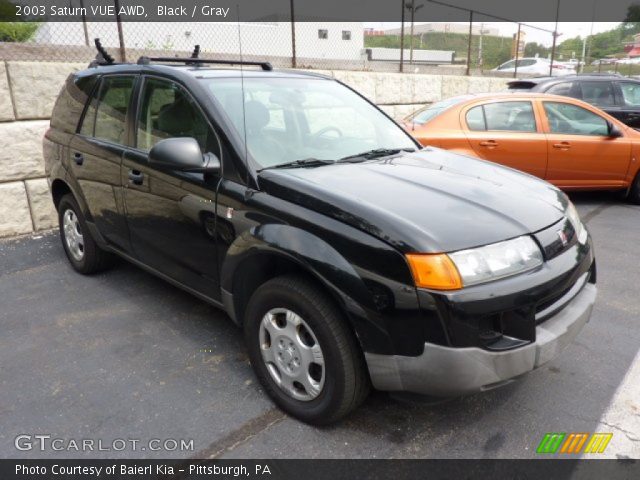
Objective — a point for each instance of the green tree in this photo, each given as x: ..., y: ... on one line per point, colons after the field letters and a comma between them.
x: 14, y: 31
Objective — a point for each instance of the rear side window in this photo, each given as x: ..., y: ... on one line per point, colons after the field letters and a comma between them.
x: 432, y: 111
x: 502, y: 116
x: 70, y: 103
x: 106, y: 114
x: 631, y: 93
x: 598, y: 93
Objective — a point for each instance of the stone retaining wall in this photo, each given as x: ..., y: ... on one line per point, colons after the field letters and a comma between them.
x: 28, y: 91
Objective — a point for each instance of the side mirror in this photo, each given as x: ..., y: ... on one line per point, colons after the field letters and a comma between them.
x: 614, y: 131
x: 183, y: 154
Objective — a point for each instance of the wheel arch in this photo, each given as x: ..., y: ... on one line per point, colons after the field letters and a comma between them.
x: 269, y: 251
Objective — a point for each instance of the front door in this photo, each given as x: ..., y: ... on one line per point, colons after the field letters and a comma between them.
x: 171, y: 214
x: 581, y: 151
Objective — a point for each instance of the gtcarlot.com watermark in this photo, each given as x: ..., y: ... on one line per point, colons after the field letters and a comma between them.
x: 48, y: 443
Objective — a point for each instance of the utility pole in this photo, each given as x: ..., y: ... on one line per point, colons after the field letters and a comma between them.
x: 469, y: 45
x: 413, y: 8
x: 123, y: 55
x: 402, y: 38
x: 515, y: 70
x: 555, y: 39
x: 480, y: 62
x: 293, y: 37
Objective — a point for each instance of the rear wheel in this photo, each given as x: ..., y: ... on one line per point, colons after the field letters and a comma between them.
x: 303, y: 352
x: 634, y: 192
x: 82, y: 251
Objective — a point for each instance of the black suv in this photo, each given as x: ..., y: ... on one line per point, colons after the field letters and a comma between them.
x: 349, y: 256
x: 617, y: 95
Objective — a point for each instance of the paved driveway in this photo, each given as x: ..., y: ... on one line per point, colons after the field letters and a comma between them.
x: 125, y: 358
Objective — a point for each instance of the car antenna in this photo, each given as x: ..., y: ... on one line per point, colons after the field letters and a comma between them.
x: 102, y: 57
x: 195, y: 55
x: 244, y: 113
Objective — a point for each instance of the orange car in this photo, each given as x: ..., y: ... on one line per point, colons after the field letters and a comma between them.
x: 565, y: 141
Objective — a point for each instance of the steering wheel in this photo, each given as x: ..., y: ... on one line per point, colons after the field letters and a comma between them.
x: 324, y: 130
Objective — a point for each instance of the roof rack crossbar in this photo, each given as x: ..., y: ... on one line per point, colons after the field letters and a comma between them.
x: 198, y: 61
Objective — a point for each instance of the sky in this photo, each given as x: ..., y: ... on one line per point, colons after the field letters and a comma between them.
x: 567, y: 29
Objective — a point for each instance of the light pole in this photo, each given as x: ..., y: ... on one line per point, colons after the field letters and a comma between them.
x: 414, y: 8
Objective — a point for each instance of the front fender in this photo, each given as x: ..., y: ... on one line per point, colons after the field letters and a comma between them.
x: 319, y: 259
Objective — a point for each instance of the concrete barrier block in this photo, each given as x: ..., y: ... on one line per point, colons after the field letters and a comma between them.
x: 394, y: 88
x: 453, y: 85
x: 21, y: 155
x: 43, y: 213
x: 14, y: 210
x: 35, y: 86
x: 497, y: 84
x: 363, y: 82
x: 427, y: 88
x: 479, y: 84
x: 6, y: 107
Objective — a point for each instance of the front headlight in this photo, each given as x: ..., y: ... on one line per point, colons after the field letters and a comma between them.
x: 477, y: 265
x: 497, y: 260
x: 578, y: 226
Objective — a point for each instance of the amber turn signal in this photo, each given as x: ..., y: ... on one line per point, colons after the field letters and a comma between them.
x: 436, y: 271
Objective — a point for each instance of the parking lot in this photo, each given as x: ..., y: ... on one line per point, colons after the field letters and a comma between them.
x: 124, y: 355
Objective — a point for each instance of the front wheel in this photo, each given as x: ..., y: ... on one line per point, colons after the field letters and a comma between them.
x: 303, y: 352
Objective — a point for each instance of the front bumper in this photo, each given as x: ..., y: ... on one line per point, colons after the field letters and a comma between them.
x: 445, y: 371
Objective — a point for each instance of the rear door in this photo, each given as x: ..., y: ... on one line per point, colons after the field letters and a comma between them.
x: 172, y: 214
x: 581, y: 151
x: 96, y: 153
x: 507, y: 132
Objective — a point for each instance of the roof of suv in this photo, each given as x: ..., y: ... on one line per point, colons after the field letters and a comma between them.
x: 201, y: 71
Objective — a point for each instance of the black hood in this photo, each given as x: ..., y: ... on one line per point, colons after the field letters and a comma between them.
x: 427, y: 201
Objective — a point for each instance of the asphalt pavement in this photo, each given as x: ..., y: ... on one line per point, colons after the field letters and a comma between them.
x: 123, y: 358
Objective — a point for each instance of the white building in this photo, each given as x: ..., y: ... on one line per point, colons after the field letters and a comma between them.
x: 314, y: 40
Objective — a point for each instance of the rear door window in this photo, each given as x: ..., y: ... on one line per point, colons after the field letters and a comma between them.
x: 564, y: 88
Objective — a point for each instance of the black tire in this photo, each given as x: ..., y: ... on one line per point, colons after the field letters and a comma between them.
x: 634, y: 191
x: 93, y: 259
x: 346, y: 380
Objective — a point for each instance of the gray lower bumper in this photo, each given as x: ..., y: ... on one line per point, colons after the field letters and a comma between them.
x: 444, y: 371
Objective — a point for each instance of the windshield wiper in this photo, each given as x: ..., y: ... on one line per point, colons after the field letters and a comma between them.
x: 375, y: 153
x: 306, y: 162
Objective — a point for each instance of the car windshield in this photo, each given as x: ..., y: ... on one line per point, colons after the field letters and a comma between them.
x: 423, y: 116
x: 291, y: 119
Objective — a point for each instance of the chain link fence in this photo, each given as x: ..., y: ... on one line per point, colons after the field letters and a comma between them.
x: 486, y: 45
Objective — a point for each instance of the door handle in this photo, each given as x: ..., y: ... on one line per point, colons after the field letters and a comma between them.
x: 489, y: 144
x: 78, y: 158
x: 136, y: 177
x: 562, y: 145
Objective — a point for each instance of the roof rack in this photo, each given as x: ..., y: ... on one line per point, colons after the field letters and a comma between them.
x: 200, y: 61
